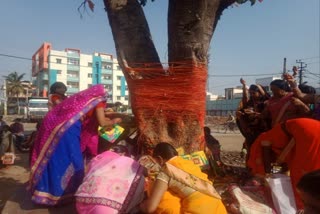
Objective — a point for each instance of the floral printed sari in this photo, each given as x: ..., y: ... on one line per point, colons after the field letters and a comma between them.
x: 113, y: 184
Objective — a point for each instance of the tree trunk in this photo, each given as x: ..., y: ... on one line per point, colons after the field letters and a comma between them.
x: 168, y: 101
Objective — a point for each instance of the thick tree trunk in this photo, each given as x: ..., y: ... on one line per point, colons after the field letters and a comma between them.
x: 156, y: 91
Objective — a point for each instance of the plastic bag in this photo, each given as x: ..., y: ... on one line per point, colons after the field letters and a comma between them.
x: 282, y: 193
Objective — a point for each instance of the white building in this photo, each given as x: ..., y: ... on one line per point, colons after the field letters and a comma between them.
x: 265, y: 82
x: 78, y: 71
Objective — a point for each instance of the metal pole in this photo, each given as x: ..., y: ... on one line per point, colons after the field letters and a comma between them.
x: 5, y: 98
x: 284, y: 66
x: 300, y: 70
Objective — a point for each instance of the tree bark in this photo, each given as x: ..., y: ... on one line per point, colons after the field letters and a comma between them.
x: 154, y: 89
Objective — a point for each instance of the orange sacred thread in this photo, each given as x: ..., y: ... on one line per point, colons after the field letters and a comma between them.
x: 174, y: 89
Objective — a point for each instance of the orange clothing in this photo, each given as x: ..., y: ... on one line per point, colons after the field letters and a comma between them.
x: 303, y: 158
x: 194, y: 202
x: 54, y: 98
x: 100, y: 105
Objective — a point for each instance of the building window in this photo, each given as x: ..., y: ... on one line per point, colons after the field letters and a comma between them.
x: 58, y: 61
x: 118, y: 77
x: 106, y: 77
x: 72, y: 85
x: 126, y: 88
x: 118, y: 97
x: 73, y: 61
x: 59, y: 71
x: 106, y: 65
x: 72, y: 74
x: 118, y: 87
x: 89, y: 85
x: 118, y: 67
x: 126, y: 97
x: 109, y: 87
x: 89, y: 75
x: 90, y: 64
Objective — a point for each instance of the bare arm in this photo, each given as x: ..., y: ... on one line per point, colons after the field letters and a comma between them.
x: 302, y: 108
x: 306, y: 98
x: 105, y: 121
x: 150, y: 205
x: 245, y: 95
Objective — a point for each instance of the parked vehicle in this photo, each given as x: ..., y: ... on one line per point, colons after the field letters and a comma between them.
x: 37, y: 108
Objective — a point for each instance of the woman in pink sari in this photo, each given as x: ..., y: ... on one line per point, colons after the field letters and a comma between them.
x: 113, y: 184
x: 67, y: 135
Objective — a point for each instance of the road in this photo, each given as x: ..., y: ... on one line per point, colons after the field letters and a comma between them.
x: 15, y: 199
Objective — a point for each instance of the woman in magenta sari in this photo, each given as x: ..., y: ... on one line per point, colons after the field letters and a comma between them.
x: 67, y: 135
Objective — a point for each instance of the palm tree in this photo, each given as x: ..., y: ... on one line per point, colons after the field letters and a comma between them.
x: 14, y: 85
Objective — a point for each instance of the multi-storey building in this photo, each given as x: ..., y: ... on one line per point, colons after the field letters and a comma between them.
x: 78, y: 71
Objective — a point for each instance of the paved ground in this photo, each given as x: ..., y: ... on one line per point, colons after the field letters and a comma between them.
x: 14, y: 199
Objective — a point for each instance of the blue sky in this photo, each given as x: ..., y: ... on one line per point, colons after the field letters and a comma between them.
x: 249, y: 41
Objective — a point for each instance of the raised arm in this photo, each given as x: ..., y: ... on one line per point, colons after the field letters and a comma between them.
x: 306, y: 98
x: 245, y: 94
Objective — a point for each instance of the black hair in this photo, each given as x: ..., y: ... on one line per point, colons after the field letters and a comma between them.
x: 206, y: 130
x: 120, y: 149
x: 310, y: 183
x: 253, y: 88
x: 56, y: 85
x: 281, y: 84
x: 7, y: 127
x: 307, y: 89
x: 164, y: 150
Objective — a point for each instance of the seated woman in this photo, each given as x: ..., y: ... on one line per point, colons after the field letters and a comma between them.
x: 185, y: 180
x: 68, y: 138
x: 114, y: 183
x: 295, y: 142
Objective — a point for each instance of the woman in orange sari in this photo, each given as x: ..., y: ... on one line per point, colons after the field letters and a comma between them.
x: 295, y: 142
x: 183, y: 179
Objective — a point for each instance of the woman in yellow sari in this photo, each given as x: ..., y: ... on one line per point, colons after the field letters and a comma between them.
x: 183, y: 179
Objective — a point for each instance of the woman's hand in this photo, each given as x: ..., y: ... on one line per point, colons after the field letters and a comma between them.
x: 242, y: 81
x: 117, y: 120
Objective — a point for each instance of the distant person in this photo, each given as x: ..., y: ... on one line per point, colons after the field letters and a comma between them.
x: 2, y: 123
x: 7, y: 146
x: 283, y: 105
x: 212, y: 144
x: 252, y: 104
x: 309, y: 190
x: 30, y: 141
x: 57, y: 94
x: 308, y: 98
x: 17, y: 130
